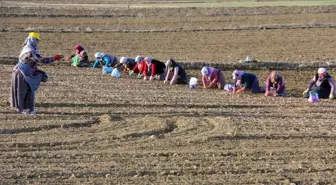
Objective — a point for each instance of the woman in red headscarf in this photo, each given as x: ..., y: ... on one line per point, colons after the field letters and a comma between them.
x: 79, y: 58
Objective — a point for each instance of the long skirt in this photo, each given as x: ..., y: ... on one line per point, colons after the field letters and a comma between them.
x: 21, y: 95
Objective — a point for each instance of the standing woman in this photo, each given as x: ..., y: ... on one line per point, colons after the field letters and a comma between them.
x: 26, y: 76
x: 213, y: 77
x: 176, y: 70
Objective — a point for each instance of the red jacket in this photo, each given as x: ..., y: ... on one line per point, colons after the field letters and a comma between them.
x: 156, y: 67
x: 137, y: 70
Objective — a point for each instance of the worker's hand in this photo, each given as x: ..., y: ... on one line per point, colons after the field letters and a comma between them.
x: 151, y: 78
x: 305, y: 92
x: 166, y: 81
x: 131, y: 73
x: 267, y: 93
x: 68, y: 58
x: 239, y: 91
x: 172, y: 82
x: 331, y: 96
x: 145, y: 78
x: 139, y: 76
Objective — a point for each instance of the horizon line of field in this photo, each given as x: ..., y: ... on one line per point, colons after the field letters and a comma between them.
x: 276, y: 65
x: 184, y: 4
x: 233, y: 28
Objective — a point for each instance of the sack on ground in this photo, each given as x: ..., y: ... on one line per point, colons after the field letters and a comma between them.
x: 228, y: 87
x: 115, y: 73
x: 192, y: 83
x: 106, y: 70
x: 313, y: 97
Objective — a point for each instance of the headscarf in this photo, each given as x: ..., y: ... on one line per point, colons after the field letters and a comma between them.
x: 237, y: 74
x: 170, y: 63
x: 79, y: 48
x: 205, y: 71
x: 99, y: 55
x: 30, y: 45
x: 123, y: 60
x: 321, y: 70
x: 148, y: 61
x: 139, y: 59
x: 275, y: 76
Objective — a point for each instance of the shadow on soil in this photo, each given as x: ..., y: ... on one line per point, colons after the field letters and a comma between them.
x: 263, y: 137
x: 49, y: 127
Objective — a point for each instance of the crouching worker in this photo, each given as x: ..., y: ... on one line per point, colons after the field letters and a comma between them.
x: 213, y: 76
x: 275, y: 85
x: 79, y: 58
x: 105, y: 60
x: 247, y: 81
x: 156, y: 68
x: 138, y: 68
x: 176, y: 70
x: 324, y: 85
x: 124, y: 62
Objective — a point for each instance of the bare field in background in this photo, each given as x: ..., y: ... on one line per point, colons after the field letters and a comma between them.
x: 91, y: 128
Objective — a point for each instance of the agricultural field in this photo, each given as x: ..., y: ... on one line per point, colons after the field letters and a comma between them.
x: 95, y: 129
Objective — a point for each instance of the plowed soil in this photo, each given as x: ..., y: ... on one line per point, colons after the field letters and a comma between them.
x: 95, y: 129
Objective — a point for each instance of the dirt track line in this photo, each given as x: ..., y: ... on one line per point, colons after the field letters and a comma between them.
x: 90, y: 30
x: 48, y: 127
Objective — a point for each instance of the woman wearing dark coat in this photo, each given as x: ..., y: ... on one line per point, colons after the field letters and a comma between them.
x: 323, y: 84
x: 26, y: 76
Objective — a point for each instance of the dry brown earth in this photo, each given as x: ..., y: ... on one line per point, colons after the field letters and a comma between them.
x: 93, y: 129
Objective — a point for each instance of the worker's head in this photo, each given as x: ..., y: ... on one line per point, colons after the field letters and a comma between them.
x: 321, y: 72
x: 99, y: 55
x: 237, y: 74
x: 35, y: 35
x: 170, y: 63
x: 275, y: 76
x: 148, y: 60
x: 78, y: 48
x: 139, y: 59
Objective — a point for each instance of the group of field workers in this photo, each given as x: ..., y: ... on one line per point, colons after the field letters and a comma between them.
x: 147, y: 68
x: 26, y: 76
